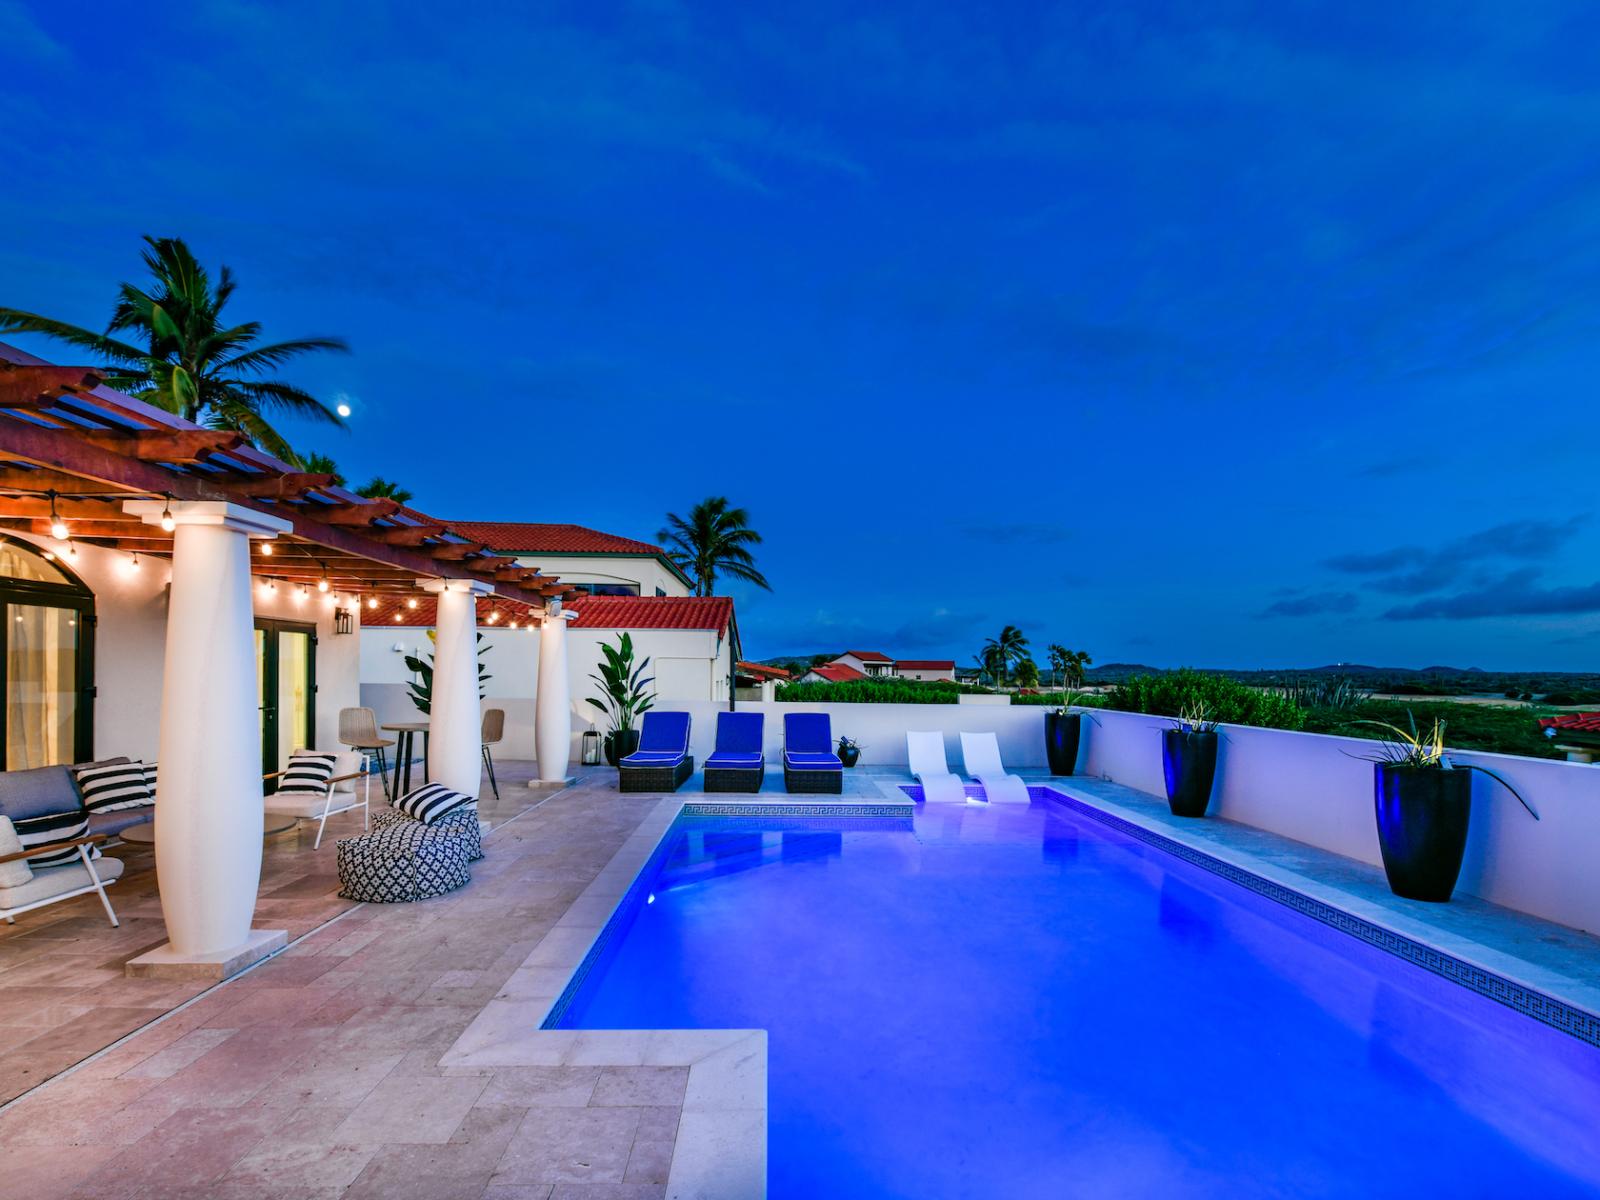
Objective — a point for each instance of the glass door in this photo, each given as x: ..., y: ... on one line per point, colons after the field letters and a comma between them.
x: 286, y: 681
x: 47, y: 654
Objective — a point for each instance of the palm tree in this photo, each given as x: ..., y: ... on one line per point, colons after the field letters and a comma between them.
x: 1069, y: 663
x: 1058, y: 662
x: 1010, y: 648
x: 186, y: 359
x: 1027, y: 673
x: 714, y: 538
x: 321, y: 464
x: 378, y: 487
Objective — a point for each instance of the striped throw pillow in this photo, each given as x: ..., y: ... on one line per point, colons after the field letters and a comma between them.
x: 57, y: 827
x: 307, y: 772
x: 150, y: 780
x: 17, y: 872
x: 430, y: 802
x: 109, y: 788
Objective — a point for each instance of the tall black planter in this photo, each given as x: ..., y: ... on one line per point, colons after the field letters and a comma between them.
x: 1061, y: 734
x: 620, y: 744
x: 1422, y: 827
x: 1189, y: 761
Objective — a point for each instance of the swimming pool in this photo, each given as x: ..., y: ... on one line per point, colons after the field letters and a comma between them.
x: 1023, y: 1002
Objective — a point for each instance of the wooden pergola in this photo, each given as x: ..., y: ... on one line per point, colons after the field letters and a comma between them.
x: 72, y: 451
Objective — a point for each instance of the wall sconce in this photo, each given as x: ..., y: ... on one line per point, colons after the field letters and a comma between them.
x: 343, y: 622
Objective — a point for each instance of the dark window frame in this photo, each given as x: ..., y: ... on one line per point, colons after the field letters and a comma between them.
x: 77, y: 596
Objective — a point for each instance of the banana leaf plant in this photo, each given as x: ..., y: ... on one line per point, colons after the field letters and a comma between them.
x: 623, y: 696
x: 422, y: 686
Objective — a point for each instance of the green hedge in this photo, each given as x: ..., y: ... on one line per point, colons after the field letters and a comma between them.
x: 875, y: 691
x: 1224, y: 699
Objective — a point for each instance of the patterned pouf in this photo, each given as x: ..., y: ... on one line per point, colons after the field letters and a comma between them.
x: 462, y: 823
x: 402, y: 862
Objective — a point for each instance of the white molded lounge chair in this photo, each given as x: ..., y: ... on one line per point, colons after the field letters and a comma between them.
x: 925, y: 751
x: 980, y: 755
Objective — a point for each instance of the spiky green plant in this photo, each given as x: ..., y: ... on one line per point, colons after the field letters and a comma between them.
x: 1426, y: 751
x: 623, y: 683
x: 422, y: 686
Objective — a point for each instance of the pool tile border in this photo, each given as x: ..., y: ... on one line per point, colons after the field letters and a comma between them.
x: 1546, y: 1009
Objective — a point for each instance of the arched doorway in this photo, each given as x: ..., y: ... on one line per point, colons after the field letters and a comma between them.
x: 47, y: 653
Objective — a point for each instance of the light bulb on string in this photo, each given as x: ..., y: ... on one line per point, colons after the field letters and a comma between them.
x: 167, y: 522
x: 58, y: 527
x: 372, y: 602
x: 266, y: 549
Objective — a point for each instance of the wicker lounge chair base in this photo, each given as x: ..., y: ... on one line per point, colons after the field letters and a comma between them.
x: 655, y: 779
x: 813, y: 783
x: 730, y: 779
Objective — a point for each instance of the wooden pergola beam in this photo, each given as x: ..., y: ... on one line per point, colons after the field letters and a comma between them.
x: 69, y: 452
x: 281, y: 487
x: 456, y: 551
x: 166, y: 445
x: 407, y: 535
x: 355, y: 514
x: 41, y: 387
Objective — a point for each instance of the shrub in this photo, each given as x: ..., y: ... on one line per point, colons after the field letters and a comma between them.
x: 1225, y: 700
x: 876, y: 691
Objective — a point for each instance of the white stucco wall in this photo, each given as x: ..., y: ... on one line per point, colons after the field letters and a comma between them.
x: 130, y: 645
x: 645, y: 572
x: 688, y: 665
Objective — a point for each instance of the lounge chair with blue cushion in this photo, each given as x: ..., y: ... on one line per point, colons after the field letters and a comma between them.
x: 737, y: 764
x: 662, y: 762
x: 809, y: 763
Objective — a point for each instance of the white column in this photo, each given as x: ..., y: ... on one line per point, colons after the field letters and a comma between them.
x: 552, y: 721
x: 209, y: 813
x: 455, y: 733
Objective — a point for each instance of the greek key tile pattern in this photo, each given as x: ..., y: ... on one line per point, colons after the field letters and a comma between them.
x: 713, y: 808
x: 1557, y: 1014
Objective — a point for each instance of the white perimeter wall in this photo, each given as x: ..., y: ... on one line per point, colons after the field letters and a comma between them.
x: 688, y: 666
x: 130, y: 647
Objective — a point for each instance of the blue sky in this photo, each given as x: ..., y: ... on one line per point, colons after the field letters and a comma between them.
x: 1214, y: 334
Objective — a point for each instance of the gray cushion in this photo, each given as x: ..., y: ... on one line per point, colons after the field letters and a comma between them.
x: 53, y: 881
x: 40, y: 792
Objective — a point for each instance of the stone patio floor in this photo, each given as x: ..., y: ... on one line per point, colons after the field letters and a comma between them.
x: 315, y: 1075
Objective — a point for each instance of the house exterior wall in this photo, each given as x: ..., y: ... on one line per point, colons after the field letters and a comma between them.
x: 646, y: 572
x: 130, y: 649
x: 688, y: 665
x: 869, y: 667
x: 923, y: 675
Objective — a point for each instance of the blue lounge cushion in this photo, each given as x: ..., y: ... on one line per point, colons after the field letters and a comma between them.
x: 730, y: 760
x: 654, y: 758
x: 39, y: 792
x: 664, y: 733
x: 812, y: 762
x: 739, y: 733
x: 807, y: 733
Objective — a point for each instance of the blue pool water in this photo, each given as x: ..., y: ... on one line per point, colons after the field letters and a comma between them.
x: 1022, y: 1002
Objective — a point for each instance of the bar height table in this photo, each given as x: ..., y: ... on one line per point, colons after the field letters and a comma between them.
x: 405, y: 733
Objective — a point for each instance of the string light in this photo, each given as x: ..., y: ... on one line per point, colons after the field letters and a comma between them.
x: 372, y: 602
x: 167, y: 523
x: 411, y: 602
x: 322, y: 584
x: 266, y: 549
x: 136, y: 564
x: 494, y: 615
x: 513, y: 624
x: 58, y: 527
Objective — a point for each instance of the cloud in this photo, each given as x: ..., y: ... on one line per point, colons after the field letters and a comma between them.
x: 1517, y: 594
x: 1017, y: 533
x: 939, y: 629
x: 1417, y: 570
x: 1314, y: 605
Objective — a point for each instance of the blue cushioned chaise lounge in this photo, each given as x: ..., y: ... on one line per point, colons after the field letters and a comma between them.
x: 809, y: 763
x: 737, y: 764
x: 662, y: 762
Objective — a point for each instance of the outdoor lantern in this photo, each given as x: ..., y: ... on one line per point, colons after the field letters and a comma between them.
x: 343, y: 622
x: 591, y: 747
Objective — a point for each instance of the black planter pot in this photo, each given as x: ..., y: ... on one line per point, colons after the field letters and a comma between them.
x: 619, y: 745
x: 1061, y: 734
x: 1189, y: 761
x: 1422, y: 827
x: 849, y: 755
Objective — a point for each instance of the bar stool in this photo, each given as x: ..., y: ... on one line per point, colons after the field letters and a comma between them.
x: 494, y: 729
x: 358, y: 729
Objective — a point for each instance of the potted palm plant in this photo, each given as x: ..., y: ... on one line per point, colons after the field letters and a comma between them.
x: 1423, y: 801
x: 1189, y: 760
x: 623, y: 697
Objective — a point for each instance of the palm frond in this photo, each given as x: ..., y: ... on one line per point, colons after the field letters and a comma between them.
x: 265, y: 357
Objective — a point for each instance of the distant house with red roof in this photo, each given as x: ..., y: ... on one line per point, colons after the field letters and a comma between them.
x: 834, y: 672
x: 873, y: 664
